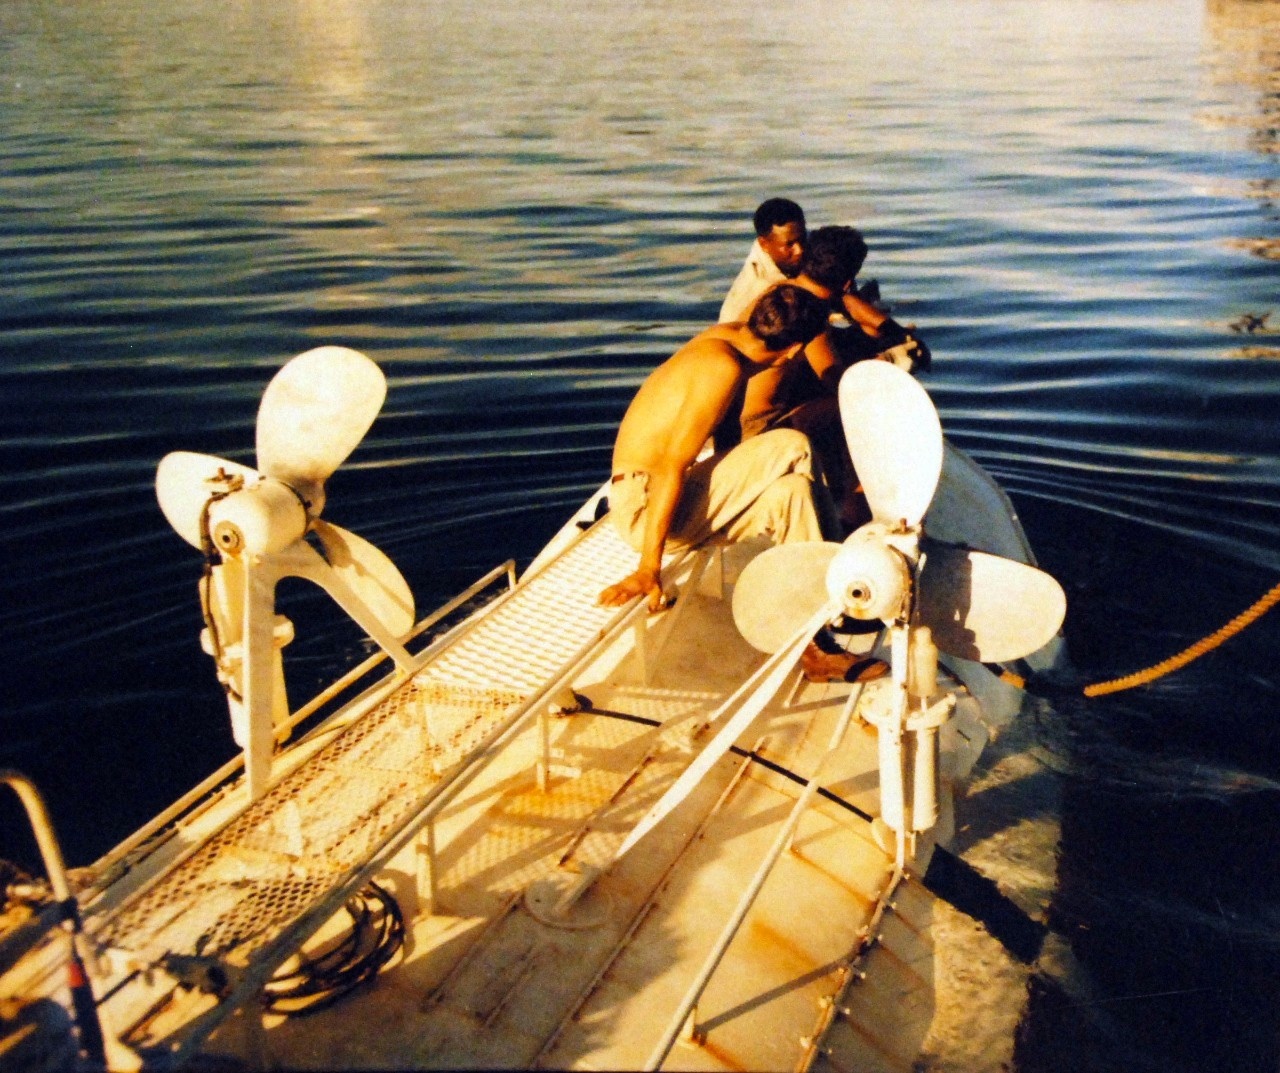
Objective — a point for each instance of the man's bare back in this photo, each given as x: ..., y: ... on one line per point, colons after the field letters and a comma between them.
x: 681, y: 402
x: 677, y: 408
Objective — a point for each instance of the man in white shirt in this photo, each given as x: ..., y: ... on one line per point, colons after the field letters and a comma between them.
x: 802, y: 395
x: 774, y: 258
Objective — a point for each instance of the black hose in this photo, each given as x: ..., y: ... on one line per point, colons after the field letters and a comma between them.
x: 377, y: 933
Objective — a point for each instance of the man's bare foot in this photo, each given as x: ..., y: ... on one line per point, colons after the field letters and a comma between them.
x: 820, y: 666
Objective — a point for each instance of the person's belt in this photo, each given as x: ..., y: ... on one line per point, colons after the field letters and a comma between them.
x: 623, y: 476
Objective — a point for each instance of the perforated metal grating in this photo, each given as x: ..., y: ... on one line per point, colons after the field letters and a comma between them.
x: 237, y: 892
x: 526, y: 643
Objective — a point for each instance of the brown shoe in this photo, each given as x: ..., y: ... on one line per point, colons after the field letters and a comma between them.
x: 820, y: 666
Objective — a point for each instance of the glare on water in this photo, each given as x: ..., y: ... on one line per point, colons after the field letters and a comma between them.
x: 518, y: 209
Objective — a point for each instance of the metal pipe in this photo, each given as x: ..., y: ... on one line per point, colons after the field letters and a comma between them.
x: 421, y: 627
x: 649, y: 904
x: 433, y: 802
x: 42, y: 827
x: 233, y: 765
x: 780, y: 843
x: 867, y: 936
x: 98, y: 1043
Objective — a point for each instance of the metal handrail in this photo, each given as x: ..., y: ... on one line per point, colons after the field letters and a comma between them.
x: 433, y: 802
x: 99, y: 1043
x: 42, y: 828
x: 103, y: 866
x: 427, y: 805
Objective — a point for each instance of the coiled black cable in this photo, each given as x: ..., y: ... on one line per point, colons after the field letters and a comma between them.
x: 376, y: 934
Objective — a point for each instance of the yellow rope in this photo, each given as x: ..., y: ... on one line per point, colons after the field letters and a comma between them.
x: 1246, y: 618
x: 1159, y: 670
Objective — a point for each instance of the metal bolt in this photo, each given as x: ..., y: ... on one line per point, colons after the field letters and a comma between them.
x: 228, y: 537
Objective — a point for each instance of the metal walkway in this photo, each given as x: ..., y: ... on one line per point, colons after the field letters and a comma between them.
x: 250, y: 893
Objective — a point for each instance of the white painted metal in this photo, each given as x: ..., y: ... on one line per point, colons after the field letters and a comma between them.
x: 370, y: 574
x: 895, y: 440
x: 260, y: 518
x: 245, y: 613
x: 746, y: 703
x: 353, y: 793
x: 779, y: 590
x: 116, y: 1055
x: 185, y: 481
x: 431, y: 776
x: 683, y: 1017
x: 869, y: 578
x: 313, y: 414
x: 261, y: 871
x: 985, y: 607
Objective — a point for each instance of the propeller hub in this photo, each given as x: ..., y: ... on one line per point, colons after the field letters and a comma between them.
x: 259, y: 519
x: 868, y: 579
x: 312, y: 495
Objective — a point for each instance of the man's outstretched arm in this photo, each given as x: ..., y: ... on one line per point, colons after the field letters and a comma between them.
x: 690, y: 412
x: 663, y: 492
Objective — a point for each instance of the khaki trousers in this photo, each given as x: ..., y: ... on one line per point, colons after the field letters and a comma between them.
x: 767, y: 485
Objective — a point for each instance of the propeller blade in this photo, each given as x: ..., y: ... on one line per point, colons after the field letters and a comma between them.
x: 895, y: 440
x: 186, y: 481
x: 314, y: 413
x: 987, y: 608
x: 372, y: 576
x: 779, y: 590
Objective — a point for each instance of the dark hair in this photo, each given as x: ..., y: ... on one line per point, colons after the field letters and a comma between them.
x: 833, y: 256
x: 786, y: 315
x: 777, y: 212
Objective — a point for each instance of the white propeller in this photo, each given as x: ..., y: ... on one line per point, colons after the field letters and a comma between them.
x: 979, y: 606
x: 986, y: 608
x: 370, y: 573
x: 185, y: 484
x: 313, y: 414
x: 895, y: 440
x: 932, y: 596
x: 779, y: 590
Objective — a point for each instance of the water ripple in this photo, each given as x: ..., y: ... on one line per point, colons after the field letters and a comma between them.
x: 1080, y: 219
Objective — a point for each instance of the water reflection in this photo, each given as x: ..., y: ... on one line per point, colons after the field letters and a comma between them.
x: 1244, y: 55
x: 520, y: 208
x: 1166, y: 895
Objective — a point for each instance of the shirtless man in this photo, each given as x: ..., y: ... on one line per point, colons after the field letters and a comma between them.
x: 662, y: 498
x: 829, y: 269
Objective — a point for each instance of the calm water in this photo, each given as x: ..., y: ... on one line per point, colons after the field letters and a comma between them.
x: 520, y: 208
